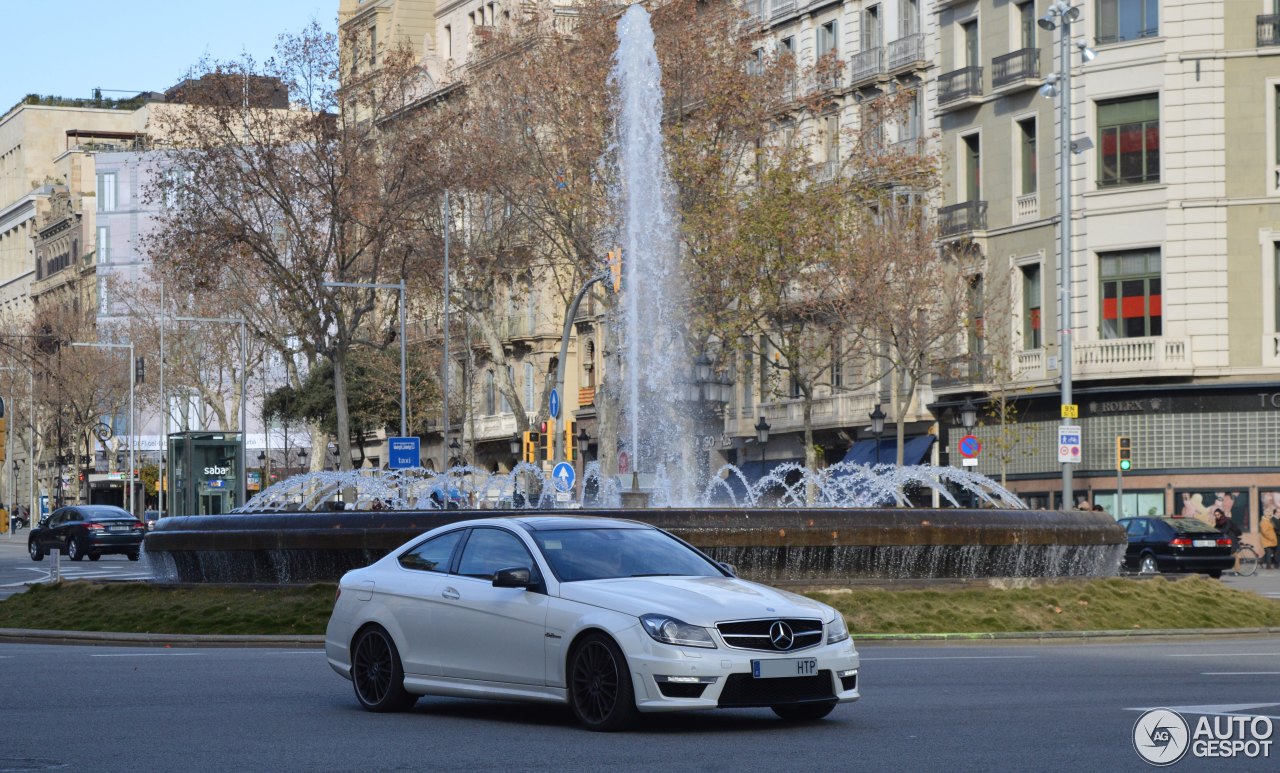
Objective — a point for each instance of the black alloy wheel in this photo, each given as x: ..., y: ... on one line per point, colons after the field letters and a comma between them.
x: 74, y: 551
x: 94, y: 556
x: 1148, y: 565
x: 804, y: 712
x: 600, y: 688
x: 37, y: 553
x: 377, y: 674
x: 133, y: 555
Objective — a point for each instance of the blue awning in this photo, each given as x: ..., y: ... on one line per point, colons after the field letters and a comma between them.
x: 753, y: 471
x: 913, y: 451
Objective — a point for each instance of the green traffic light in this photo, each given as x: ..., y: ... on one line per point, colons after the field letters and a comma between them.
x: 1125, y: 464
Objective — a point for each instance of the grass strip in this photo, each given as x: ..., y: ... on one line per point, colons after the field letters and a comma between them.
x: 1087, y: 605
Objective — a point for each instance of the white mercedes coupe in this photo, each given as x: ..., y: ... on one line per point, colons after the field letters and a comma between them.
x: 612, y: 617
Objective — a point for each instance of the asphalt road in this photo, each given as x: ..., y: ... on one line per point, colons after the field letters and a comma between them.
x: 955, y: 708
x: 17, y: 569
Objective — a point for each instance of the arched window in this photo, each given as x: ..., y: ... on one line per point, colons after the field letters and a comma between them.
x: 589, y: 365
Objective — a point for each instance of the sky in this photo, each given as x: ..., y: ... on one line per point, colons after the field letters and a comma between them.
x: 70, y: 47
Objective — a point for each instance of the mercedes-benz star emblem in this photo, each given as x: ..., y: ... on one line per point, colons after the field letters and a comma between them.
x: 781, y: 635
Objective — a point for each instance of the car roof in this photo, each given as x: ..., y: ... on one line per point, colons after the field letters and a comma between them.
x: 562, y: 522
x: 1179, y: 523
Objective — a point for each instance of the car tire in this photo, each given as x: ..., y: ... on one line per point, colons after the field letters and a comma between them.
x: 74, y: 551
x: 94, y: 556
x: 1216, y: 574
x: 377, y: 674
x: 37, y: 553
x: 804, y: 712
x: 1147, y: 565
x: 133, y: 556
x: 600, y: 690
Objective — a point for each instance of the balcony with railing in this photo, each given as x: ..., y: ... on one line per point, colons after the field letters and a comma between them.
x: 963, y: 218
x: 1269, y: 30
x: 1026, y: 208
x: 968, y: 371
x: 907, y: 53
x: 496, y: 427
x: 959, y: 88
x: 837, y: 411
x: 781, y: 7
x: 757, y: 11
x: 1132, y: 357
x: 866, y: 66
x: 1016, y: 69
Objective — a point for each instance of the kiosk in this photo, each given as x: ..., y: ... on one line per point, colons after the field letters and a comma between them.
x: 206, y: 472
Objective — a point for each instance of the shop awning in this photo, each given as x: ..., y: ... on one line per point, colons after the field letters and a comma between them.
x: 914, y: 450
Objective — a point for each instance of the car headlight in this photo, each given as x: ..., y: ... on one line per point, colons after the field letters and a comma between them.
x: 837, y: 631
x: 669, y: 630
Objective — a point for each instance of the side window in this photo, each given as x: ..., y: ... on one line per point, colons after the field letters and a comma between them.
x: 1137, y: 528
x: 489, y: 550
x: 434, y: 554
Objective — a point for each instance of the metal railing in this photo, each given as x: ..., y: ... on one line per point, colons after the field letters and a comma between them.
x: 1013, y: 67
x: 1269, y: 30
x: 866, y: 65
x: 962, y: 218
x: 1026, y: 207
x: 906, y: 51
x: 959, y: 84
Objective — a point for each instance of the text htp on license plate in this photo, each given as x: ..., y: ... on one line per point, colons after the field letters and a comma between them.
x: 774, y: 669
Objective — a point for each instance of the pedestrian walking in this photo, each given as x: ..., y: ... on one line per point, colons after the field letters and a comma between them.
x: 1269, y: 528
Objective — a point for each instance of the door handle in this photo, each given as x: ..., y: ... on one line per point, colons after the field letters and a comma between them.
x: 450, y: 594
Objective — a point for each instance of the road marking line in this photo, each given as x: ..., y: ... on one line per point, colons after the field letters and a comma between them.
x: 148, y: 655
x: 1240, y: 673
x: 1222, y: 655
x: 298, y: 652
x: 963, y: 657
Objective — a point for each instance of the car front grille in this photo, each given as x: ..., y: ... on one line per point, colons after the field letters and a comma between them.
x: 762, y: 635
x: 744, y: 691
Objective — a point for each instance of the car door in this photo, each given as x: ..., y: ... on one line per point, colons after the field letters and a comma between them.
x: 487, y: 633
x: 412, y: 592
x: 51, y: 538
x: 1137, y: 529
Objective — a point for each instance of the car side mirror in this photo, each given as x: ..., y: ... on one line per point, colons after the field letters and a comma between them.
x: 44, y: 521
x: 513, y: 577
x: 730, y: 568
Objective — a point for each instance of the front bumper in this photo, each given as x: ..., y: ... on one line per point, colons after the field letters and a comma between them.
x: 664, y: 675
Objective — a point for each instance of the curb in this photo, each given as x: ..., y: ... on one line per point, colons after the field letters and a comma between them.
x: 316, y: 641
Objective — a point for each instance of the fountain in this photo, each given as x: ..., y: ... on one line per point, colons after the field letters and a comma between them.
x: 793, y: 524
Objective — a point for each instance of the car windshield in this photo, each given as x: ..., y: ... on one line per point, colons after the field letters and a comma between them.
x: 104, y: 513
x: 598, y: 554
x: 1189, y: 526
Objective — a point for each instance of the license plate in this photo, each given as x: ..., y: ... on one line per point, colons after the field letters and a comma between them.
x: 119, y: 528
x: 775, y: 669
x: 1204, y: 543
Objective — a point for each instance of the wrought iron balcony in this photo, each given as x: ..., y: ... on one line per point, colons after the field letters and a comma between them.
x: 962, y: 84
x: 962, y: 218
x: 1019, y: 66
x: 906, y: 52
x: 1269, y: 30
x: 866, y: 66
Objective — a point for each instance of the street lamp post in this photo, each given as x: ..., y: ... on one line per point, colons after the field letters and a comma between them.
x: 762, y: 437
x: 32, y: 504
x: 1060, y: 16
x: 399, y: 287
x: 877, y: 428
x: 133, y: 429
x: 968, y: 416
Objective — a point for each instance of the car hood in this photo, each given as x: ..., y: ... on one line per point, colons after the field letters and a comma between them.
x: 695, y: 600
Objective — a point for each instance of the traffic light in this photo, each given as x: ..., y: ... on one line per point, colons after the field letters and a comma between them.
x: 1124, y: 451
x: 140, y: 370
x: 568, y: 440
x: 530, y: 447
x: 549, y: 442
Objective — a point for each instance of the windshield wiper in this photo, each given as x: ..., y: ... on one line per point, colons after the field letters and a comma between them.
x: 657, y: 574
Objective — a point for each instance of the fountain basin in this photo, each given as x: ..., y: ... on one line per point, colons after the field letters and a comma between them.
x: 768, y: 545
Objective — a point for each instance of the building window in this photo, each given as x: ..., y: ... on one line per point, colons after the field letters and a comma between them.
x: 448, y: 41
x: 490, y: 394
x: 1127, y: 20
x: 977, y: 314
x: 1130, y: 149
x: 831, y: 138
x: 787, y: 45
x: 913, y: 122
x: 872, y: 31
x: 827, y: 39
x: 1027, y: 24
x: 909, y: 23
x: 107, y: 192
x: 528, y: 387
x: 1032, y: 297
x: 972, y: 150
x: 1275, y: 137
x: 502, y: 397
x: 1131, y: 302
x: 837, y: 361
x: 969, y: 34
x: 373, y: 45
x: 104, y: 244
x: 1027, y: 156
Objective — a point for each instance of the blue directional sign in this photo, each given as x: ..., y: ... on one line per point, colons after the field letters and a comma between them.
x: 562, y: 476
x: 555, y: 404
x: 405, y: 452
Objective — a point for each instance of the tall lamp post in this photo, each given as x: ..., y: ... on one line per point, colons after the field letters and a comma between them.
x: 133, y: 429
x: 1060, y: 17
x: 762, y: 437
x: 877, y: 428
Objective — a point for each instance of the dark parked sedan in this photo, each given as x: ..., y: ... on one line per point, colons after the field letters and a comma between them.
x: 1176, y: 545
x: 87, y: 530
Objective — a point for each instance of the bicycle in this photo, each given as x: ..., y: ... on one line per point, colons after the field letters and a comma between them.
x: 1246, y: 560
